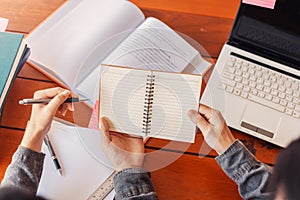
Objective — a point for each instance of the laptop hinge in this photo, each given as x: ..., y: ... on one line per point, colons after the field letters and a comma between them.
x: 233, y: 43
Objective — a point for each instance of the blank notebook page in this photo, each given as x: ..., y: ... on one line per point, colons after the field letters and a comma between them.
x: 174, y: 95
x: 122, y: 97
x: 124, y: 102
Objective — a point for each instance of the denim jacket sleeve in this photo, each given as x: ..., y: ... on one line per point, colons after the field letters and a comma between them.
x: 25, y: 170
x: 242, y: 167
x: 134, y: 183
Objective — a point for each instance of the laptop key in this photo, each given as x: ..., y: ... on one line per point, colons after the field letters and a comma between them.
x: 237, y: 92
x: 228, y: 82
x: 268, y: 97
x: 276, y: 99
x: 296, y: 114
x: 230, y: 70
x: 267, y: 103
x: 297, y: 108
x: 230, y: 63
x: 296, y: 94
x: 229, y: 89
x: 228, y: 75
x: 291, y: 105
x: 239, y: 86
x: 244, y: 94
x: 288, y: 111
x: 281, y: 95
x: 283, y: 102
x: 247, y: 88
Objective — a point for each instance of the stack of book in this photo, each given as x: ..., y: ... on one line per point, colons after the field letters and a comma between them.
x: 13, y: 55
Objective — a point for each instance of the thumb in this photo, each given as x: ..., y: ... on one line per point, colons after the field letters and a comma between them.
x: 104, y: 128
x: 58, y: 100
x: 200, y: 121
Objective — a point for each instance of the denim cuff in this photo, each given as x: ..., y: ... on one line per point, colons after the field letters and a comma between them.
x: 27, y: 155
x: 237, y: 160
x: 132, y: 183
x: 25, y: 170
x: 29, y: 159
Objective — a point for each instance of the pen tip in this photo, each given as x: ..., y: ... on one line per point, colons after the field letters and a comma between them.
x: 21, y: 102
x: 60, y: 172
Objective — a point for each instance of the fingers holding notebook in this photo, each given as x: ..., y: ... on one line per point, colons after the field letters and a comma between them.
x: 124, y: 151
x: 213, y: 127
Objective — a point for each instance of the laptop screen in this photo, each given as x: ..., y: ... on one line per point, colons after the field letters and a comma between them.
x: 272, y: 33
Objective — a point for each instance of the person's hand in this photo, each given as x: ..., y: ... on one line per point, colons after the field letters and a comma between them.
x: 42, y: 116
x: 122, y: 150
x: 213, y: 127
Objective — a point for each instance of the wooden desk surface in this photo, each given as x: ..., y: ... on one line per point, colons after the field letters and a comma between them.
x: 190, y: 175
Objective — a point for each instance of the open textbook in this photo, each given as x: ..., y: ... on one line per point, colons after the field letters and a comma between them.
x: 72, y: 43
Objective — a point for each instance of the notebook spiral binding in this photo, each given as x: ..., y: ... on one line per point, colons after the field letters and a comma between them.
x: 147, y: 115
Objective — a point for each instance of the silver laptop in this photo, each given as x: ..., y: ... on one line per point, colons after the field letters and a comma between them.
x: 256, y: 80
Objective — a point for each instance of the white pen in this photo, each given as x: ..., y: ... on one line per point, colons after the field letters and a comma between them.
x: 52, y: 154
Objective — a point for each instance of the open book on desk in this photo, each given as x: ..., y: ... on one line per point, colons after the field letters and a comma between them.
x: 72, y: 43
x: 149, y: 103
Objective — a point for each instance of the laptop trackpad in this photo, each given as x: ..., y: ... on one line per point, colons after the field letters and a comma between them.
x: 261, y: 120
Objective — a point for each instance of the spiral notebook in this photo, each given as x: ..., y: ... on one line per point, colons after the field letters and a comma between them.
x: 149, y: 103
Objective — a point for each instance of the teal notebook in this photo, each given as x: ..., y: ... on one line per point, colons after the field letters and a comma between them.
x: 12, y: 48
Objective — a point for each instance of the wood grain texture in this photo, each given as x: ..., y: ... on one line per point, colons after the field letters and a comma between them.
x: 219, y: 8
x: 188, y: 177
x: 28, y: 72
x: 207, y: 34
x: 25, y: 15
x: 10, y: 140
x: 263, y: 150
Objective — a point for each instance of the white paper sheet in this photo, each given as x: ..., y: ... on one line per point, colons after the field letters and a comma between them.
x: 3, y: 24
x: 83, y: 171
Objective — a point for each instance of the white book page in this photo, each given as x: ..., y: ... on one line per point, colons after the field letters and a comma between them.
x: 82, y: 173
x: 89, y: 87
x: 122, y: 99
x: 174, y: 95
x: 153, y: 45
x: 83, y: 37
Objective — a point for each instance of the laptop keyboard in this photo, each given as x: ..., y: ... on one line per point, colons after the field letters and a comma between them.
x: 262, y: 85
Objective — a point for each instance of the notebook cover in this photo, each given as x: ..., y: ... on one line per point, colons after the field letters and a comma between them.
x: 9, y: 48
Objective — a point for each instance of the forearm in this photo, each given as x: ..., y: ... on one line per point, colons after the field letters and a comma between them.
x: 134, y: 183
x: 25, y: 170
x: 33, y: 137
x: 241, y: 166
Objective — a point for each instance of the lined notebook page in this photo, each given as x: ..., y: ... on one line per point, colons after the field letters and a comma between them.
x: 122, y: 98
x: 174, y: 95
